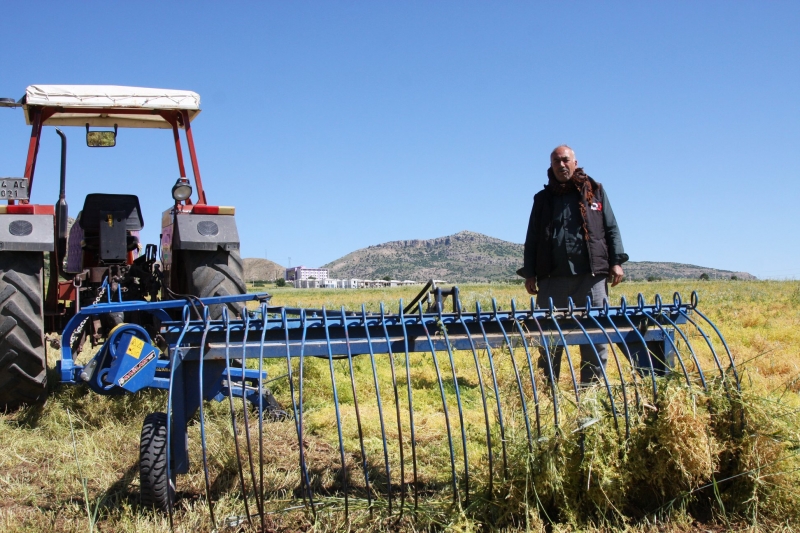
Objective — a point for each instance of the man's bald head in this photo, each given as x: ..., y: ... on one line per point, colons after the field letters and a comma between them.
x: 563, y: 163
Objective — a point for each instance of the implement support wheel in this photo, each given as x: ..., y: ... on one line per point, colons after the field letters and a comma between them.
x: 218, y: 273
x: 155, y: 487
x: 23, y: 364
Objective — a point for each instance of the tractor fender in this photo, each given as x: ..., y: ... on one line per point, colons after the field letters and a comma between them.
x: 205, y: 232
x: 26, y: 233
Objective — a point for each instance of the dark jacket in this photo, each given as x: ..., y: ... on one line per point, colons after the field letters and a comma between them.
x: 555, y: 243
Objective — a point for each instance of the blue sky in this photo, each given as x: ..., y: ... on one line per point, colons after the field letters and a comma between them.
x: 332, y: 126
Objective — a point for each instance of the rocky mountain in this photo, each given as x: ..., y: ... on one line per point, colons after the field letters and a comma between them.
x: 262, y: 270
x: 472, y: 257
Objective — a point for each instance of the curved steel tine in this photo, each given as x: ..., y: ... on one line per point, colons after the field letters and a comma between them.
x: 626, y: 353
x: 548, y: 362
x: 175, y: 356
x: 516, y: 374
x: 227, y: 323
x: 721, y: 338
x: 496, y: 388
x: 410, y: 408
x: 259, y: 502
x: 264, y: 324
x: 599, y: 362
x: 338, y: 414
x: 397, y: 412
x: 358, y: 413
x: 483, y: 395
x: 458, y: 402
x: 454, y: 478
x: 616, y: 361
x: 623, y: 311
x: 685, y: 338
x: 674, y: 347
x: 298, y: 407
x: 203, y: 445
x: 380, y: 406
x: 708, y: 343
x: 566, y: 350
x: 530, y: 367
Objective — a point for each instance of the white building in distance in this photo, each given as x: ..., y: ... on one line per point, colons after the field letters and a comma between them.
x: 303, y: 273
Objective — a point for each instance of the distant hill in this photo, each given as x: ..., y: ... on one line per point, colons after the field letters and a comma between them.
x: 472, y: 257
x: 262, y: 270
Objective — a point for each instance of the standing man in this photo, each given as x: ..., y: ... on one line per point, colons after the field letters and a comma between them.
x: 572, y: 249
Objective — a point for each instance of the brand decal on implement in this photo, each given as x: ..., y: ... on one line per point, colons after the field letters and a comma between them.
x: 136, y: 368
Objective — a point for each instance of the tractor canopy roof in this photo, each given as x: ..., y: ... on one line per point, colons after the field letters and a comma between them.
x: 108, y: 105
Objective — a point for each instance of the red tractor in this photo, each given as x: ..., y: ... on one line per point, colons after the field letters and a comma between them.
x: 100, y: 255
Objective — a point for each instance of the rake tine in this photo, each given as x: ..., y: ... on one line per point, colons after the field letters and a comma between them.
x: 651, y: 319
x: 380, y: 406
x: 685, y: 338
x: 397, y: 414
x: 259, y: 502
x: 410, y: 408
x: 453, y: 476
x: 458, y: 402
x: 338, y: 414
x: 530, y: 367
x: 203, y: 445
x: 623, y: 310
x: 226, y: 321
x: 552, y: 314
x: 627, y: 353
x: 264, y: 323
x: 358, y: 414
x: 548, y: 365
x: 693, y: 305
x: 175, y: 356
x: 496, y: 388
x: 689, y: 319
x: 299, y: 405
x: 604, y: 311
x: 483, y: 397
x: 516, y: 374
x: 600, y: 363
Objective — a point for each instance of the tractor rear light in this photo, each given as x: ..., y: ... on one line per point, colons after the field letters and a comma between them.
x: 27, y: 209
x: 213, y: 210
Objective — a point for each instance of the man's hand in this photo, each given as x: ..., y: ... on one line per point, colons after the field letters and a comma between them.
x: 615, y: 276
x: 530, y: 285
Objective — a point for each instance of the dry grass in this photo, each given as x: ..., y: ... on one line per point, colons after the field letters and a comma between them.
x: 689, y: 458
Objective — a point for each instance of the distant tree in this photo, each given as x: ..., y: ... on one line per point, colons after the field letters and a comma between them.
x: 280, y: 282
x: 734, y: 277
x: 653, y: 277
x: 704, y: 276
x: 387, y: 278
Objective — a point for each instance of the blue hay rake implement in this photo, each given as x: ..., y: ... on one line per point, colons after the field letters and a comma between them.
x: 490, y: 370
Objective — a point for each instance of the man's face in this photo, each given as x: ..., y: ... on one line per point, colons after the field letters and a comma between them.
x: 563, y: 163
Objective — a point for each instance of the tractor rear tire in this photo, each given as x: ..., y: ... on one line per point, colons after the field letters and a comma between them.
x: 155, y: 488
x: 218, y: 273
x: 23, y: 362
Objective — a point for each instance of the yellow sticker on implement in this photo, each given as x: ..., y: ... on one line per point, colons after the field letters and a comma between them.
x: 135, y: 347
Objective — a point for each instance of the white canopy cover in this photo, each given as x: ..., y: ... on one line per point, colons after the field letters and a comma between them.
x: 108, y: 98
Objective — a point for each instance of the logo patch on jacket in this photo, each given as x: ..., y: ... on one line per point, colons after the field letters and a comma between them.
x: 597, y: 206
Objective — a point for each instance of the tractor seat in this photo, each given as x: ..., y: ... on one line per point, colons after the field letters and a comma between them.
x: 96, y: 204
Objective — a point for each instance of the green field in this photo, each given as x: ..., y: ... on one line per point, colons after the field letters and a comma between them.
x: 694, y: 461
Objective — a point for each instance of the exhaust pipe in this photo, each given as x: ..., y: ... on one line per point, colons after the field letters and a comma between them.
x: 62, y: 211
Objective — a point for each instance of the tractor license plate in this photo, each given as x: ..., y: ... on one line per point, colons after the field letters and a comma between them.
x: 13, y: 188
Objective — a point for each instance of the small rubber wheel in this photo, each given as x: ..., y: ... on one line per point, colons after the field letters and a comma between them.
x: 156, y: 489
